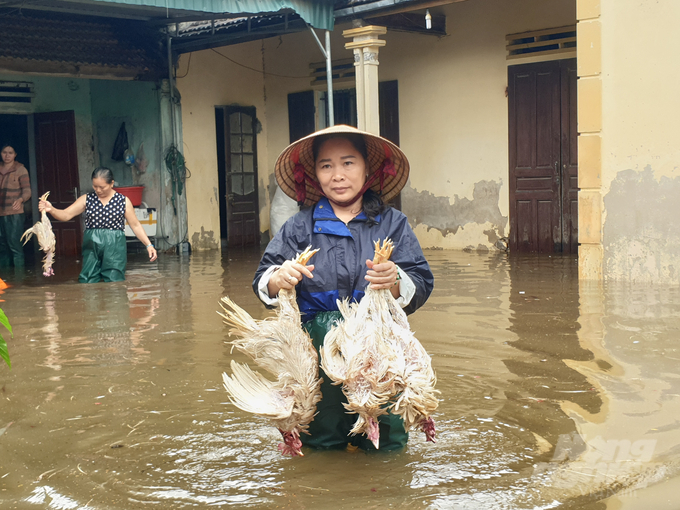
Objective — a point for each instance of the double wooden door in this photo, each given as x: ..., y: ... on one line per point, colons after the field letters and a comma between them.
x: 543, y: 157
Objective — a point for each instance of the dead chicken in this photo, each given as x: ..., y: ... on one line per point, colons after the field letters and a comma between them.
x: 381, y: 365
x: 280, y: 346
x: 46, y: 239
x: 354, y: 355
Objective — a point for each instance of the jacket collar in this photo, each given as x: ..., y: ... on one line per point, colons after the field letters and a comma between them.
x: 323, y: 210
x: 326, y: 222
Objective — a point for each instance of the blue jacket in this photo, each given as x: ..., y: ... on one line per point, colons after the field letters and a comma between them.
x: 340, y: 264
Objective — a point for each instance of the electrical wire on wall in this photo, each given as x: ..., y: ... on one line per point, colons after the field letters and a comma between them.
x: 259, y: 71
x: 188, y: 67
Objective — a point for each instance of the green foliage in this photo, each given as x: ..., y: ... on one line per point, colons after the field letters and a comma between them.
x: 4, y: 353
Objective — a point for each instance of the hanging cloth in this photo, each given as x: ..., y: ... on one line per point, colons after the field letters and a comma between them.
x: 120, y: 145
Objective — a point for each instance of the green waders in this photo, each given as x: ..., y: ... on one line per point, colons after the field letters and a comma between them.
x: 331, y: 426
x: 104, y: 256
x: 11, y: 250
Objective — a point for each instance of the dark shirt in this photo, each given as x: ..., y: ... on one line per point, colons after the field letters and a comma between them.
x: 111, y: 216
x: 340, y: 264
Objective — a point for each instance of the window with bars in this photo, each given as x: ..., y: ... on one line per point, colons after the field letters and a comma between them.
x: 550, y: 41
x: 16, y: 92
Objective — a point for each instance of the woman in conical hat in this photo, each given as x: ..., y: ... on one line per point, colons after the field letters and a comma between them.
x: 345, y: 177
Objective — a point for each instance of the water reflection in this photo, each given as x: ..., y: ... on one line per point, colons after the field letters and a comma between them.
x: 545, y: 306
x: 115, y: 395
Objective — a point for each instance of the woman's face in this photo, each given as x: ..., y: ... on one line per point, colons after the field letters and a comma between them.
x: 101, y: 187
x: 8, y: 155
x: 340, y: 169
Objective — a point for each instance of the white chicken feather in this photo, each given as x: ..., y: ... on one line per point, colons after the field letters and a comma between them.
x: 380, y: 363
x: 280, y: 346
x: 48, y: 243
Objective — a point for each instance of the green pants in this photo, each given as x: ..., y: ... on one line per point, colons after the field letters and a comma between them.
x: 11, y: 250
x: 104, y: 256
x: 331, y: 425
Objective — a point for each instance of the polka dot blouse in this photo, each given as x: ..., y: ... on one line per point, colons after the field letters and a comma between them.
x: 111, y: 216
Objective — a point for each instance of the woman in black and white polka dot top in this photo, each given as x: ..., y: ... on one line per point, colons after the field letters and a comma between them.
x: 104, y: 247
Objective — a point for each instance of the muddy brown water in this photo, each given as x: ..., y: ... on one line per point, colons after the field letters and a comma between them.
x: 552, y: 395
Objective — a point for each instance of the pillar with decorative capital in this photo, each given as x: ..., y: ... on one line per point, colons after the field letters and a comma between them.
x: 366, y: 45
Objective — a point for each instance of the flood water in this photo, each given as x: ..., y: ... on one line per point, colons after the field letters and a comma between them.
x: 552, y: 396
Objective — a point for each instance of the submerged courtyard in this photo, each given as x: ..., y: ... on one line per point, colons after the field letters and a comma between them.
x: 554, y: 394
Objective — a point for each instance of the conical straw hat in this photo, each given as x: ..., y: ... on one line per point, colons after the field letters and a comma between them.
x: 381, y: 153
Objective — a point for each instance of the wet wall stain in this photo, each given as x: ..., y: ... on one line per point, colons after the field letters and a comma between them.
x: 641, y: 229
x: 265, y: 192
x: 271, y: 188
x: 439, y: 213
x: 204, y: 240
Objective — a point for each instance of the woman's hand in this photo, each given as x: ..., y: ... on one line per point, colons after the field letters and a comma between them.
x: 288, y: 276
x: 18, y: 204
x: 44, y: 205
x: 383, y: 275
x: 153, y: 254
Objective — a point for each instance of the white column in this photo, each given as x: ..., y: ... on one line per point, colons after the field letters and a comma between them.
x: 359, y: 80
x: 366, y: 46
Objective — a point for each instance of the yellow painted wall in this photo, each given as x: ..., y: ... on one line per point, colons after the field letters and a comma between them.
x: 452, y: 107
x: 210, y: 80
x: 641, y: 77
x: 640, y: 133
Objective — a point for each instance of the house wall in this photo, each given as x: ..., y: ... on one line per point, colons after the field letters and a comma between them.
x: 453, y: 114
x: 640, y: 154
x: 452, y: 109
x: 211, y: 80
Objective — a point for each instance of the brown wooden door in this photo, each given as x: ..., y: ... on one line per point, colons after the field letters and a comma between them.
x: 240, y: 177
x: 543, y: 160
x: 57, y: 172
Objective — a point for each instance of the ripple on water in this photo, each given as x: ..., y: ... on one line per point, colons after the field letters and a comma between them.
x: 115, y: 397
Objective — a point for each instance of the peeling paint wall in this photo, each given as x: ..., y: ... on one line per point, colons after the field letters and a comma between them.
x: 201, y: 241
x: 460, y: 223
x: 644, y: 232
x: 640, y: 133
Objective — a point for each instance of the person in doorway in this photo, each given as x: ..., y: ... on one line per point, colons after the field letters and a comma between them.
x: 104, y: 246
x: 347, y: 176
x: 15, y: 190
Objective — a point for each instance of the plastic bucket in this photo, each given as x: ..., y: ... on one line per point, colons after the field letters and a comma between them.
x: 134, y: 193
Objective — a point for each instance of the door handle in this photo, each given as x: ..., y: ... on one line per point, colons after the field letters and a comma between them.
x: 75, y: 192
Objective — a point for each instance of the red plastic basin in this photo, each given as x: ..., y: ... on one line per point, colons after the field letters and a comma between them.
x: 134, y: 193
